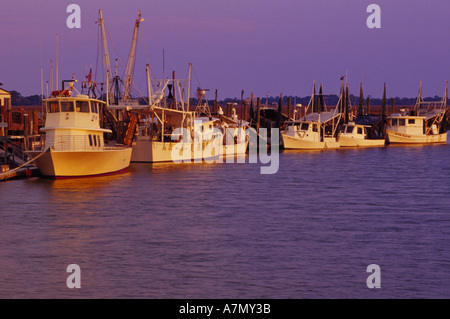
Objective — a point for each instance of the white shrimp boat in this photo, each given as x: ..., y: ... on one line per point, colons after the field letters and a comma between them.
x: 314, y: 131
x: 74, y: 144
x: 425, y: 124
x: 235, y: 137
x: 358, y: 135
x: 176, y: 135
x: 408, y: 128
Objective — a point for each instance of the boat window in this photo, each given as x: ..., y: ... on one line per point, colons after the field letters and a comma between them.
x: 394, y: 122
x: 98, y: 138
x: 350, y: 129
x: 305, y: 126
x: 52, y: 107
x: 90, y: 139
x: 314, y: 128
x: 401, y: 122
x: 360, y: 130
x: 83, y: 106
x: 95, y: 140
x: 67, y: 106
x: 411, y: 121
x: 365, y: 131
x: 94, y: 107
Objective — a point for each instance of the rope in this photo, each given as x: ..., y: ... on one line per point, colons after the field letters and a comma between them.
x: 16, y: 169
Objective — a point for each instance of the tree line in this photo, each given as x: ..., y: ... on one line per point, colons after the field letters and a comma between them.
x: 34, y: 100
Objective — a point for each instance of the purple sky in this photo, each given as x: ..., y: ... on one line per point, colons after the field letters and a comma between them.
x: 263, y: 46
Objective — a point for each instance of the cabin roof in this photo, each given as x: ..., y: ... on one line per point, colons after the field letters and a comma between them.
x: 322, y: 117
x: 355, y: 124
x: 73, y: 98
x: 400, y: 116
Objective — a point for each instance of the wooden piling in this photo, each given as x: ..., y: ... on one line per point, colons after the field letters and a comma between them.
x: 215, y: 102
x: 245, y: 118
x: 368, y: 105
x: 242, y: 104
x: 258, y: 113
x: 35, y: 122
x: 289, y: 108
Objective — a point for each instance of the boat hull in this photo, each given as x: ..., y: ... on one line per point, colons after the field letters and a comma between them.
x: 235, y: 149
x: 358, y: 142
x: 73, y: 164
x: 290, y: 142
x: 146, y: 150
x: 401, y: 138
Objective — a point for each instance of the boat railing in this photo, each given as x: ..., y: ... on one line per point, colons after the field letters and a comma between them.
x: 77, y: 143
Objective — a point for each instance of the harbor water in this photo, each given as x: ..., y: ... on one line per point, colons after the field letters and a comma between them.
x: 224, y: 230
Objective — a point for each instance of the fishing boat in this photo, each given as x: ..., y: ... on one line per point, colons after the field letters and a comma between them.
x: 358, y: 135
x: 425, y: 124
x: 316, y: 130
x: 235, y: 139
x: 74, y: 143
x: 176, y: 135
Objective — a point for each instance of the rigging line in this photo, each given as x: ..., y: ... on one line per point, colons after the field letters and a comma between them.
x: 196, y: 78
x: 115, y: 49
x: 137, y: 89
x: 147, y: 55
x: 98, y: 53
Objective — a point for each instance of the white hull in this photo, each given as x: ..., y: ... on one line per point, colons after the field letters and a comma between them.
x: 401, y: 138
x: 147, y: 151
x: 358, y: 142
x: 290, y: 142
x: 235, y: 149
x: 67, y: 164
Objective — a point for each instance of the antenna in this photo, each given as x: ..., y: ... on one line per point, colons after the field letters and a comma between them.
x: 57, y: 63
x: 51, y: 75
x: 42, y: 78
x: 189, y: 86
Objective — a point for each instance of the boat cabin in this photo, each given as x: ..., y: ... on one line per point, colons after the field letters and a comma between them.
x: 305, y: 130
x: 73, y: 123
x: 356, y: 131
x: 407, y: 124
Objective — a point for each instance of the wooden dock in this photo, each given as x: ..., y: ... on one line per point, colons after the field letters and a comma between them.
x: 20, y: 174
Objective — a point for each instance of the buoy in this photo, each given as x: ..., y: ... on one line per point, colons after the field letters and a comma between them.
x: 28, y: 173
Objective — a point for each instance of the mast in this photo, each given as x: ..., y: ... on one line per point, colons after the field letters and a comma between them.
x: 361, y: 101
x: 383, y: 103
x: 106, y: 61
x: 419, y: 98
x: 149, y: 86
x: 314, y: 97
x: 321, y: 104
x: 445, y: 95
x: 189, y: 87
x: 347, y: 104
x: 129, y: 70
